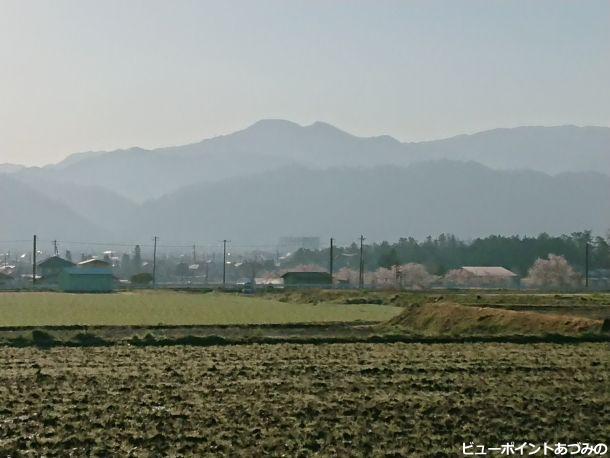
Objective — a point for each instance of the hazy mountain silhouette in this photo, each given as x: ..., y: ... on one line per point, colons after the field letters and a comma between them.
x: 466, y: 199
x: 109, y: 211
x: 270, y: 144
x: 383, y: 202
x: 26, y: 211
x: 277, y: 178
x: 548, y: 149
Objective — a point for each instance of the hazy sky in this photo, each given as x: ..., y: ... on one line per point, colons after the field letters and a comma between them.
x: 80, y: 75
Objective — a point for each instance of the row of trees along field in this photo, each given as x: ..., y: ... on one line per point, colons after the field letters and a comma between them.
x: 446, y: 252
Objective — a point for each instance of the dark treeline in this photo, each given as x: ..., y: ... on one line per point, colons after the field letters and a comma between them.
x: 447, y: 252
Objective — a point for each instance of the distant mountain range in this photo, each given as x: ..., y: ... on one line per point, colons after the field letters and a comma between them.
x: 278, y: 178
x: 26, y: 211
x: 140, y: 174
x: 464, y: 198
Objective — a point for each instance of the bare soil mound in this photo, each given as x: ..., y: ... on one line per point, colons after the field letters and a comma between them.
x: 454, y: 319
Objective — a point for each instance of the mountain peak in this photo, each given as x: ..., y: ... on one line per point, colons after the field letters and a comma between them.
x: 324, y: 127
x: 267, y: 124
x: 275, y: 126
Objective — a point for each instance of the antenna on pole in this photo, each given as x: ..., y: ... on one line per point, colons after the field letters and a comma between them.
x: 154, y: 274
x: 361, y: 273
x: 55, y: 250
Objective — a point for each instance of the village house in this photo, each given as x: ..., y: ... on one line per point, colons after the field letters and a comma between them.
x: 92, y: 275
x: 50, y: 269
x: 87, y: 280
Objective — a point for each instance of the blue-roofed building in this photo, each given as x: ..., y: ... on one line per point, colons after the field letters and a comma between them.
x: 51, y: 268
x: 89, y: 280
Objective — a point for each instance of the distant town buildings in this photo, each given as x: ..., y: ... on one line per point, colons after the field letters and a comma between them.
x: 302, y: 262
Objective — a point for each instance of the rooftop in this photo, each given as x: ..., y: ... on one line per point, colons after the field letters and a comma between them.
x: 492, y: 271
x: 94, y: 263
x: 55, y: 261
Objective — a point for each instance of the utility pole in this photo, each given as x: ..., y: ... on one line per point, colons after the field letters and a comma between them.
x: 55, y: 250
x: 154, y: 282
x: 224, y: 262
x: 194, y: 255
x: 587, y: 264
x: 361, y: 273
x: 330, y: 263
x: 34, y: 263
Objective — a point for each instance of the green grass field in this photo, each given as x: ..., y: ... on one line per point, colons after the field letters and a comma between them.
x: 173, y: 308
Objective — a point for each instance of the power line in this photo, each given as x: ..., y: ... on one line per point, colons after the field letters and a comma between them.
x: 123, y: 244
x: 206, y: 245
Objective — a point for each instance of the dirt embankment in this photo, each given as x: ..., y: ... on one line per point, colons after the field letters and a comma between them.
x: 448, y: 318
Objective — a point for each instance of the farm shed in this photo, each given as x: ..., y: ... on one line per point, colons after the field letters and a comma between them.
x: 52, y: 267
x: 307, y: 279
x: 89, y: 280
x: 491, y: 276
